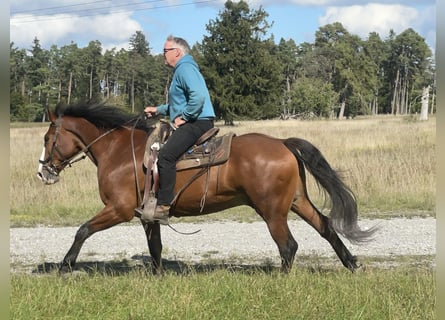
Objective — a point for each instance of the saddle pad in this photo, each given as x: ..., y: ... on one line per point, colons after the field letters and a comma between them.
x: 219, y: 153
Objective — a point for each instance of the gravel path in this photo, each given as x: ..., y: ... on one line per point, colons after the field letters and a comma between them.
x: 248, y: 242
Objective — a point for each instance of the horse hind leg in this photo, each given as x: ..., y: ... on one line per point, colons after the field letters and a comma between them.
x: 306, y: 210
x: 279, y: 230
x: 287, y: 246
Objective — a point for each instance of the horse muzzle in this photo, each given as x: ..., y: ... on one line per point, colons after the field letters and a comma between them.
x: 45, y: 172
x: 46, y: 175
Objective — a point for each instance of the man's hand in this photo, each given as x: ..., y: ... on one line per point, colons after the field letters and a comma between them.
x: 150, y: 111
x: 179, y: 122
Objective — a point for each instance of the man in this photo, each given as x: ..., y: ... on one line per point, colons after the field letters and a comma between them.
x: 191, y: 113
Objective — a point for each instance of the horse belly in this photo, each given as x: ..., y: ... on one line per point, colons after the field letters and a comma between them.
x: 207, y: 194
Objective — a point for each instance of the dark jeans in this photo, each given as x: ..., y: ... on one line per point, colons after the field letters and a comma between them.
x: 179, y: 142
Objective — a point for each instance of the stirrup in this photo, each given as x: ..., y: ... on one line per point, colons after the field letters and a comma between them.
x: 146, y: 211
x: 147, y: 214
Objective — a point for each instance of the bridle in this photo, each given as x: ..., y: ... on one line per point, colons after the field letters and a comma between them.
x: 56, y: 168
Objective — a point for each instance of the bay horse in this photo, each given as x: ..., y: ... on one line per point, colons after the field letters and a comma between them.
x: 263, y: 172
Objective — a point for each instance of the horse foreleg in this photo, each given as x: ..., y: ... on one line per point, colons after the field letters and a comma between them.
x: 70, y: 258
x: 305, y: 209
x: 106, y: 218
x: 153, y: 234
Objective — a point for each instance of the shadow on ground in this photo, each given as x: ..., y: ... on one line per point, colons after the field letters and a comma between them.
x: 144, y: 264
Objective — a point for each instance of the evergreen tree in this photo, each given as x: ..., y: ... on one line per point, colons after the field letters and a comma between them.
x: 138, y: 55
x: 242, y: 73
x: 287, y: 52
x: 349, y: 68
x: 375, y: 48
x: 408, y: 59
x: 38, y: 71
x: 71, y: 69
x: 92, y: 56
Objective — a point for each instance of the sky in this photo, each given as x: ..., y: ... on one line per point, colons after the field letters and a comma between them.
x: 60, y: 22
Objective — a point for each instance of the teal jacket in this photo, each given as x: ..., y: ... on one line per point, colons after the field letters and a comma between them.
x: 188, y: 95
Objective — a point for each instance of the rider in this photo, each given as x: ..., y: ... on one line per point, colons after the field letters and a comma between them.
x: 191, y: 112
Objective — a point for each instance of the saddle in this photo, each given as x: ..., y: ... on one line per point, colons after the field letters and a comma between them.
x: 209, y: 150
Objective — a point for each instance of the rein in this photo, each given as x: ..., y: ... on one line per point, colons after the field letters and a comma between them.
x: 86, y: 150
x: 138, y: 188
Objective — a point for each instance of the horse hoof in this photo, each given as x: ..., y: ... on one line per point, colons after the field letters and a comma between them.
x: 353, y: 264
x: 64, y: 269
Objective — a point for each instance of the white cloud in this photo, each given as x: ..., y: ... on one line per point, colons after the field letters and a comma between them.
x: 361, y: 20
x: 381, y: 18
x: 110, y: 29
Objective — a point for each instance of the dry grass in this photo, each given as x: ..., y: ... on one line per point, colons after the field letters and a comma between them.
x: 389, y: 162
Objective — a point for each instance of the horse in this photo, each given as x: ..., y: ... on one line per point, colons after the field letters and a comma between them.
x: 263, y: 172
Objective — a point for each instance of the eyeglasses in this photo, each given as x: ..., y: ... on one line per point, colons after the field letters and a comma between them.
x: 169, y: 49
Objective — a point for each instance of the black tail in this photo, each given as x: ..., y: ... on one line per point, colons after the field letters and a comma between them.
x: 343, y: 213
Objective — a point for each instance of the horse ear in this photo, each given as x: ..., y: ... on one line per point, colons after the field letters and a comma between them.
x: 52, y: 116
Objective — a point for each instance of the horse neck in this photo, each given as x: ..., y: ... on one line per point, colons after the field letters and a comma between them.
x: 95, y: 141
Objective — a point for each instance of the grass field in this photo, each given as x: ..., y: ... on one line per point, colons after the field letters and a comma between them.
x: 226, y: 294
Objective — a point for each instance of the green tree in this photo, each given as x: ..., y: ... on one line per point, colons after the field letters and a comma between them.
x: 375, y: 48
x: 56, y: 76
x: 38, y: 73
x: 349, y: 68
x: 121, y: 71
x: 240, y: 66
x: 312, y: 97
x: 407, y: 62
x: 138, y: 55
x: 17, y: 69
x: 91, y: 63
x: 72, y: 72
x: 17, y: 77
x: 157, y: 77
x: 287, y: 52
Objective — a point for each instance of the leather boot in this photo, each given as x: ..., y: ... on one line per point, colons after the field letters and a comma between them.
x: 161, y: 214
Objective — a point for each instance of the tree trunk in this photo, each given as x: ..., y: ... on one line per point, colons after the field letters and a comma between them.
x: 91, y: 84
x: 433, y: 97
x: 342, y: 110
x: 70, y: 83
x: 394, y: 101
x: 404, y: 98
x: 132, y: 93
x: 425, y: 100
x: 23, y: 88
x: 59, y: 93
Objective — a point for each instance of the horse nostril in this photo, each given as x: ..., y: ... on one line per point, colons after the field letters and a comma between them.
x: 40, y: 175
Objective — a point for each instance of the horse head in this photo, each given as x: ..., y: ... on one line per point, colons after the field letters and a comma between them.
x: 60, y: 146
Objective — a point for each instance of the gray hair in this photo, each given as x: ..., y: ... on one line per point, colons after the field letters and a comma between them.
x: 180, y: 43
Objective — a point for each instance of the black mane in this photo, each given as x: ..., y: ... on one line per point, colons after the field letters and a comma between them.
x: 101, y: 115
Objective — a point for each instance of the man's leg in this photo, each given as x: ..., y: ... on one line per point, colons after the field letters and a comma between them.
x: 179, y: 142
